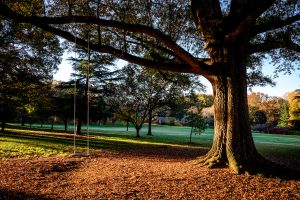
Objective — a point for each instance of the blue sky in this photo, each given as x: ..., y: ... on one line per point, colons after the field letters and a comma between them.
x: 284, y: 84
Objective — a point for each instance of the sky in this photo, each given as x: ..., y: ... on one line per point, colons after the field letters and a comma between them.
x: 284, y: 83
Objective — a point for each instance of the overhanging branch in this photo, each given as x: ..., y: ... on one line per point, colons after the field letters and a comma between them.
x: 273, y: 44
x: 136, y: 28
x: 181, y: 67
x: 274, y: 24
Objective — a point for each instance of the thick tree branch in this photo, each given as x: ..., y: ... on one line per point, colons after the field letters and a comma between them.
x: 137, y: 28
x: 274, y: 24
x: 242, y: 9
x: 273, y: 44
x: 242, y: 17
x: 208, y: 17
x: 181, y: 67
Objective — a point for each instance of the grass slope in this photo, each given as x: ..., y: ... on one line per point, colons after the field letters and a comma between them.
x: 18, y: 142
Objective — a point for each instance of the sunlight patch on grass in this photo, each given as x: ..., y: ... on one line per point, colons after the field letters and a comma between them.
x: 20, y: 148
x: 142, y: 141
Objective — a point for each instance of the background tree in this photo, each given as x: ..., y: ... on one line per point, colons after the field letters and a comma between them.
x: 215, y: 39
x: 294, y: 108
x: 142, y: 92
x: 271, y: 107
x: 92, y: 70
x: 197, y: 124
x: 163, y: 89
x: 62, y: 103
x: 28, y: 59
x: 284, y: 116
x: 129, y: 99
x: 254, y: 102
x: 259, y: 117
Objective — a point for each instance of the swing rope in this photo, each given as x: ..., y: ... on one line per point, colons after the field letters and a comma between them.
x: 88, y: 102
x: 88, y: 98
x: 75, y: 90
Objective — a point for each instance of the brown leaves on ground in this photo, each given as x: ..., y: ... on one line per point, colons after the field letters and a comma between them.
x: 147, y: 173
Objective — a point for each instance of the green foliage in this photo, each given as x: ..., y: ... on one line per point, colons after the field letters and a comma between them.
x: 261, y: 105
x: 294, y: 105
x: 259, y: 117
x: 284, y: 116
x: 141, y: 91
x: 197, y: 123
x: 28, y: 59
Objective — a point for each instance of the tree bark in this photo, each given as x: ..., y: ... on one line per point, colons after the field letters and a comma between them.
x: 66, y: 124
x: 233, y: 144
x: 150, y: 122
x: 2, y: 126
x: 137, y: 132
x: 22, y: 119
x: 79, y: 123
x: 52, y: 124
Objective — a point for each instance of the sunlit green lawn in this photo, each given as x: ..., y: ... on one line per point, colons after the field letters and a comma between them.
x: 37, y: 142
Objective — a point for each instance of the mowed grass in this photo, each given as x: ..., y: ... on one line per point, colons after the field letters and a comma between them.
x: 42, y: 142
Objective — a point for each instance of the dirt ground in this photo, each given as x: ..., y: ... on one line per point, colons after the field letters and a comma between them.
x: 148, y: 173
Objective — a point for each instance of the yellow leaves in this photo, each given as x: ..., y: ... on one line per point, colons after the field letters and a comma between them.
x: 294, y: 105
x: 29, y: 108
x: 30, y: 7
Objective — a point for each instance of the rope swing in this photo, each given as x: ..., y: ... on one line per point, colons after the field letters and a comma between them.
x: 87, y: 103
x: 88, y: 99
x: 75, y: 90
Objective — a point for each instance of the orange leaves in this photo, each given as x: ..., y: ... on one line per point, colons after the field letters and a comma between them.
x: 142, y: 173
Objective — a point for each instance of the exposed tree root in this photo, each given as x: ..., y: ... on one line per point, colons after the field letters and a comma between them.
x: 258, y: 166
x: 212, y: 161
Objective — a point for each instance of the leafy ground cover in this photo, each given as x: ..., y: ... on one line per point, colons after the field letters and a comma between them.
x: 40, y: 165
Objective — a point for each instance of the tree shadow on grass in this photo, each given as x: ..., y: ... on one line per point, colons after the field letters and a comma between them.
x: 149, y: 150
x: 6, y: 194
x: 165, y: 152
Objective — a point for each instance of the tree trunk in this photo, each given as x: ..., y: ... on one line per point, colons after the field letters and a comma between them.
x: 79, y: 124
x: 66, y: 125
x: 22, y: 119
x: 191, y: 133
x: 2, y: 126
x: 127, y: 125
x: 137, y: 132
x: 52, y: 124
x: 150, y: 122
x: 233, y: 144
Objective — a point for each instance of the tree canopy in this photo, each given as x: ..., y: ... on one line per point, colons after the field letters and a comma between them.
x: 168, y: 34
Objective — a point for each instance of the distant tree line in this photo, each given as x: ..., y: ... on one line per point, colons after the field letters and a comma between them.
x: 274, y: 114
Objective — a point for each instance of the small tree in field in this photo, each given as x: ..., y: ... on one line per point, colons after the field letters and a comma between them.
x: 284, y: 116
x: 139, y: 92
x: 197, y: 123
x: 128, y: 98
x: 259, y: 117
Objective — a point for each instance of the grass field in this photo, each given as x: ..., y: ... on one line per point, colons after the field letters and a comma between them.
x: 42, y: 142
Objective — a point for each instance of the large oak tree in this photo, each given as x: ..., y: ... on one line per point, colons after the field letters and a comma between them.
x: 215, y: 39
